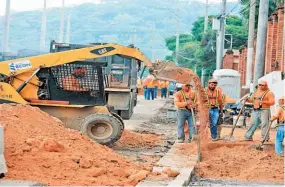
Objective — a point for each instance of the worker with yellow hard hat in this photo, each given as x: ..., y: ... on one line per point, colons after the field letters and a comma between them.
x: 280, y: 126
x: 262, y: 100
x: 184, y: 100
x: 215, y: 103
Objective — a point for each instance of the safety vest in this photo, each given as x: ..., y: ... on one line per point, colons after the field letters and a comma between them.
x: 216, y: 104
x: 259, y: 98
x: 185, y: 98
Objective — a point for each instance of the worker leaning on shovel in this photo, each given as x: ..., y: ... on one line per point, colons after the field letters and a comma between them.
x: 184, y: 100
x: 280, y: 126
x: 215, y: 103
x: 262, y: 99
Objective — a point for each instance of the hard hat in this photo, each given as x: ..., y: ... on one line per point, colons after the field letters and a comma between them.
x: 263, y: 82
x: 213, y: 81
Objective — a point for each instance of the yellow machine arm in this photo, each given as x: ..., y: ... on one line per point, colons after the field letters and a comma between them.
x: 17, y: 66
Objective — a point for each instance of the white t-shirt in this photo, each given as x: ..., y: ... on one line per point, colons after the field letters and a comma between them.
x: 178, y: 85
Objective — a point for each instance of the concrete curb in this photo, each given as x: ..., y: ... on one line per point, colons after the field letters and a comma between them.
x: 184, y: 164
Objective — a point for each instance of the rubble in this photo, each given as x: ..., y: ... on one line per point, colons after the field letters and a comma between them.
x: 38, y: 148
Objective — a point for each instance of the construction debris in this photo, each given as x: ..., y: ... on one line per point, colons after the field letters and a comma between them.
x: 38, y: 148
x: 236, y: 161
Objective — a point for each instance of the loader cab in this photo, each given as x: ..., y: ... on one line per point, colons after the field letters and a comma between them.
x: 76, y: 83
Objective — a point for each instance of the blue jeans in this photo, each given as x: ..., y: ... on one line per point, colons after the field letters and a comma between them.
x: 150, y: 93
x: 279, y: 139
x: 145, y: 93
x: 163, y: 92
x: 155, y: 91
x: 258, y: 118
x: 183, y: 116
x: 214, y: 118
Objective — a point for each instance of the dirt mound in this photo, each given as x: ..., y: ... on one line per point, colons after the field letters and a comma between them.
x: 38, y: 148
x: 133, y: 139
x: 238, y: 160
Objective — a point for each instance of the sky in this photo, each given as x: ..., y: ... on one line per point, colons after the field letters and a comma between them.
x: 24, y: 5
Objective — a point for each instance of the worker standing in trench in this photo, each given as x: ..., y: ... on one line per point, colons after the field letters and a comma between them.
x: 280, y: 126
x: 184, y: 100
x: 262, y: 100
x: 215, y: 103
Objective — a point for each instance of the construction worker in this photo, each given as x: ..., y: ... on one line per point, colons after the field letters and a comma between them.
x: 215, y: 103
x: 262, y: 99
x: 163, y: 88
x: 71, y: 82
x: 184, y: 100
x: 155, y: 88
x: 280, y: 126
x: 221, y: 120
x: 148, y: 83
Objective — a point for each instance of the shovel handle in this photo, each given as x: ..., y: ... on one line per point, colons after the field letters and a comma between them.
x: 267, y: 131
x: 239, y: 114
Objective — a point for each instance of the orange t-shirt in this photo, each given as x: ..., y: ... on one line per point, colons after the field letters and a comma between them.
x: 179, y: 100
x: 215, y: 97
x: 70, y: 83
x: 163, y: 84
x: 268, y: 100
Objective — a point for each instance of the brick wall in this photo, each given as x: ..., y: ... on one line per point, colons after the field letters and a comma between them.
x: 228, y: 61
x: 242, y: 65
x: 269, y: 45
x: 279, y: 50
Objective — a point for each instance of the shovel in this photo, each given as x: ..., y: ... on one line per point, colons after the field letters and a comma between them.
x: 230, y: 137
x: 260, y: 146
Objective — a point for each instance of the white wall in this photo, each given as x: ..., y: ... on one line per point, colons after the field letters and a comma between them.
x: 277, y: 86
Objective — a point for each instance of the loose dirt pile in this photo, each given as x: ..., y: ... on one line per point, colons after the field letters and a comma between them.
x: 38, y: 148
x: 238, y: 160
x: 133, y: 139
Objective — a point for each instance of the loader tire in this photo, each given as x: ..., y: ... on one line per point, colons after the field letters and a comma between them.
x: 119, y: 118
x: 105, y: 129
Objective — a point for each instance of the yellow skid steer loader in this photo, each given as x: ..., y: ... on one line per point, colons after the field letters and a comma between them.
x: 68, y: 85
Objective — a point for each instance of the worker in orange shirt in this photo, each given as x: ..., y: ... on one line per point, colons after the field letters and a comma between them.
x: 184, y: 100
x: 280, y: 126
x: 156, y: 85
x: 163, y: 88
x: 148, y: 84
x: 71, y: 82
x: 262, y: 99
x: 215, y: 103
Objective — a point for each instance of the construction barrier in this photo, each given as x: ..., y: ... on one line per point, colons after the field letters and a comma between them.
x: 3, y: 167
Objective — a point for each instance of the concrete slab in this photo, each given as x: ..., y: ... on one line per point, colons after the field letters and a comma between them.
x: 18, y: 183
x: 173, y: 160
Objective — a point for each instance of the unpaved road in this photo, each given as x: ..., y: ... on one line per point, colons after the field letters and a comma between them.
x: 150, y: 117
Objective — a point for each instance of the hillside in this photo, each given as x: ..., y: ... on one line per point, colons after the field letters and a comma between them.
x: 111, y: 21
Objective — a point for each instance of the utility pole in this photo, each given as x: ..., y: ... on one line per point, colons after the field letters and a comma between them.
x: 205, y: 30
x: 43, y: 28
x: 61, y: 26
x: 152, y: 42
x: 133, y: 37
x: 177, y: 41
x: 206, y: 17
x: 6, y: 27
x: 261, y: 41
x: 67, y: 35
x: 222, y: 36
x: 250, y: 43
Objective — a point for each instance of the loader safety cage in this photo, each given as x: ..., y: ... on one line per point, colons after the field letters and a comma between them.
x: 89, y: 89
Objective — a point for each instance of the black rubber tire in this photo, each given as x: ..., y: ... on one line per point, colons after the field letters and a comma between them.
x: 119, y: 118
x: 116, y: 127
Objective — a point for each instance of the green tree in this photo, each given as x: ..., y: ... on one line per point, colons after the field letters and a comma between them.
x: 273, y: 4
